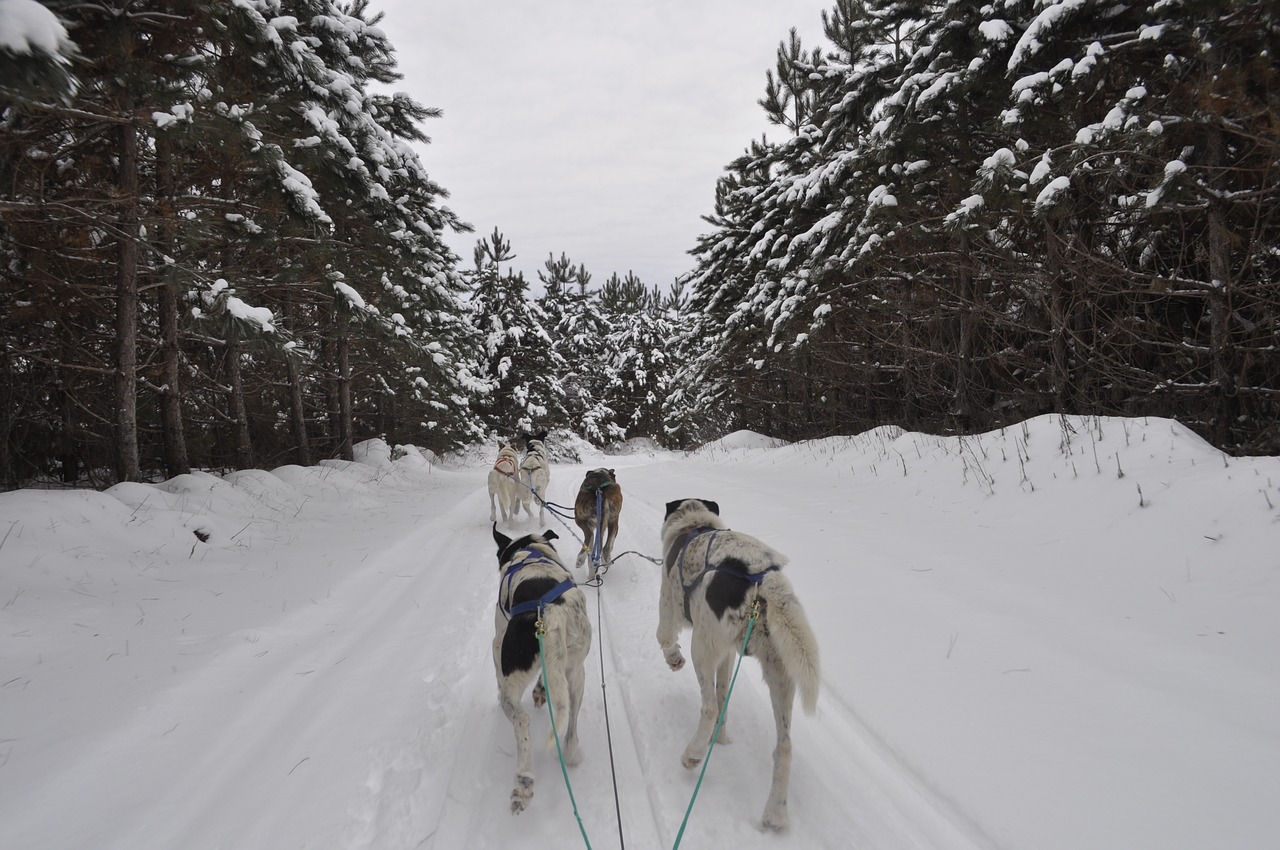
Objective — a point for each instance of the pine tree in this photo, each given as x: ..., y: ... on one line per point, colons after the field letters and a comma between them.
x: 641, y: 369
x: 519, y: 357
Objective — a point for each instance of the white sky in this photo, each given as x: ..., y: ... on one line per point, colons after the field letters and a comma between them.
x: 588, y: 128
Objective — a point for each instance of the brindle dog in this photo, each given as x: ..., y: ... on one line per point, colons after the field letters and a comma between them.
x: 604, y: 482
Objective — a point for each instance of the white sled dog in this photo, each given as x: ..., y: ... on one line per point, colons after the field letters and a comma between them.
x: 710, y: 580
x: 503, y: 485
x: 536, y: 586
x: 535, y: 475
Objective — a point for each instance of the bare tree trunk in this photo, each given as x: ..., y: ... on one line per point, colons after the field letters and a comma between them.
x: 297, y: 405
x: 346, y: 419
x: 1059, y: 323
x: 1220, y: 301
x: 128, y: 467
x: 963, y: 400
x: 238, y: 411
x: 175, y: 443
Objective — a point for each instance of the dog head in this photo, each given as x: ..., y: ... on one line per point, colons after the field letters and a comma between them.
x: 685, y: 514
x: 693, y: 505
x: 530, y: 439
x: 599, y: 479
x: 508, y: 546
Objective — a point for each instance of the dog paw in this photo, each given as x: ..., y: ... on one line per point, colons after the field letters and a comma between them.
x: 775, y: 821
x: 675, y: 660
x: 522, y: 793
x: 724, y: 736
x: 582, y: 560
x: 689, y: 762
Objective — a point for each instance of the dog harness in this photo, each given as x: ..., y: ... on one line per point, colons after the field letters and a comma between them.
x: 504, y: 587
x: 689, y: 536
x: 506, y: 465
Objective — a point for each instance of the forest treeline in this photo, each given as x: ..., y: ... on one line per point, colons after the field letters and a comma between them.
x: 220, y: 248
x: 991, y: 209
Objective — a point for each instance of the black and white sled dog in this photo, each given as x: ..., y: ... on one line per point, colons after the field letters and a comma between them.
x: 535, y: 474
x: 710, y: 580
x: 503, y: 486
x: 535, y: 585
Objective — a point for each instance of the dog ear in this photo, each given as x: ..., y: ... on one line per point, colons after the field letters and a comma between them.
x: 613, y: 475
x: 550, y: 535
x: 711, y: 506
x: 541, y: 437
x: 673, y: 506
x: 501, y: 539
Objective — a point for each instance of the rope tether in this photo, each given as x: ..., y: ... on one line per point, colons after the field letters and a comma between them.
x: 540, y: 629
x: 596, y: 554
x: 608, y: 730
x: 755, y: 613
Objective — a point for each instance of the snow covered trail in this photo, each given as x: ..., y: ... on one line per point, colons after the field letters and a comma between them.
x: 278, y: 723
x: 847, y: 788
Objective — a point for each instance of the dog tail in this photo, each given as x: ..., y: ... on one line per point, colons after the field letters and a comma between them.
x: 792, y: 637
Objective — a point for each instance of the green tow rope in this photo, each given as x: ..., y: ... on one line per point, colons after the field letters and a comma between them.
x: 751, y: 624
x: 540, y: 629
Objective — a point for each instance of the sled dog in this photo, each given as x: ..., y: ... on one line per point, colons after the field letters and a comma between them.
x: 604, y: 482
x: 503, y: 485
x: 535, y: 586
x: 711, y: 578
x: 535, y: 474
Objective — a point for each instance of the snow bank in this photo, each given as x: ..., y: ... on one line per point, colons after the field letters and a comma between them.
x: 739, y: 441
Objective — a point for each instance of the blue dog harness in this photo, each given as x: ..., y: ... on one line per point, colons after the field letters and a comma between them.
x: 504, y: 587
x: 678, y: 565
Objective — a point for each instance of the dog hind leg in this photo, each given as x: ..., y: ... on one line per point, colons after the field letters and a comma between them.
x: 724, y: 674
x: 706, y: 661
x: 588, y: 534
x: 522, y: 791
x: 576, y: 679
x: 608, y: 543
x: 782, y: 692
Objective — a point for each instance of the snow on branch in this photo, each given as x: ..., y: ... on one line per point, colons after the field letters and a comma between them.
x: 27, y: 28
x: 1037, y: 32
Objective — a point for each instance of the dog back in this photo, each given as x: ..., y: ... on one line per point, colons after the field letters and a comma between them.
x: 605, y: 482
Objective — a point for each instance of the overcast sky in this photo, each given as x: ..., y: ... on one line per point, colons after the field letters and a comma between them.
x: 590, y: 128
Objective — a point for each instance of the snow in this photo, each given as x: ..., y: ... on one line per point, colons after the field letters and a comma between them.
x: 968, y: 207
x: 1038, y: 33
x: 352, y: 297
x: 27, y: 28
x: 1052, y: 193
x: 260, y: 316
x: 995, y: 31
x: 1002, y: 158
x: 1059, y: 635
x: 1042, y: 170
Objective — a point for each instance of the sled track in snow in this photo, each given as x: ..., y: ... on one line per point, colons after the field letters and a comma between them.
x: 469, y: 750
